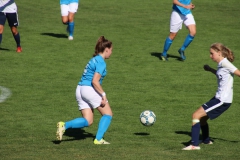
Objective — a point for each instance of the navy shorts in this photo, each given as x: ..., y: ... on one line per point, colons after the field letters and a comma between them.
x: 11, y: 17
x: 215, y: 108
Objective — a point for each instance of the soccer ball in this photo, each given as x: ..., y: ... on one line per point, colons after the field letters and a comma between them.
x: 147, y: 118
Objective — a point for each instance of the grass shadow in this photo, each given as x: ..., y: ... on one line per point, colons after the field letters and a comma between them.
x: 76, y: 134
x: 158, y: 55
x: 141, y: 134
x: 55, y: 35
x: 4, y: 49
x: 212, y: 138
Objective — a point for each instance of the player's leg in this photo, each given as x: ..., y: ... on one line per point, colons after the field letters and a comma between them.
x: 205, y: 130
x: 195, y: 131
x: 13, y: 23
x: 175, y: 25
x: 2, y: 22
x: 104, y: 123
x: 84, y: 121
x: 191, y: 25
x: 72, y: 10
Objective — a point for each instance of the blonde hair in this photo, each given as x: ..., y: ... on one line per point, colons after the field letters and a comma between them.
x: 226, y: 52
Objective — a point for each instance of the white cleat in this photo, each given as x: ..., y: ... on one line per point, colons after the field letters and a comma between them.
x: 70, y: 38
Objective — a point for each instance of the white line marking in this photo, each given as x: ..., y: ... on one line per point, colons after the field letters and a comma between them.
x: 4, y: 93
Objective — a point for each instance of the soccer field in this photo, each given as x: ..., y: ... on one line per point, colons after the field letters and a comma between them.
x: 37, y: 86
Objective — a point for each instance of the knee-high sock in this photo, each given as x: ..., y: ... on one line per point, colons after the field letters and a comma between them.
x: 71, y: 28
x: 195, y: 134
x: 17, y: 39
x: 167, y: 45
x: 103, y: 126
x: 76, y: 123
x: 205, y: 133
x: 187, y: 41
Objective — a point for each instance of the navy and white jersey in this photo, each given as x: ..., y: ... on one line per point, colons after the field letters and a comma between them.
x: 68, y: 1
x: 182, y: 10
x: 96, y: 64
x: 8, y: 6
x: 225, y: 81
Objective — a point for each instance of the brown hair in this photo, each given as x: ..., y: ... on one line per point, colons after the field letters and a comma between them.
x: 226, y: 52
x: 102, y: 43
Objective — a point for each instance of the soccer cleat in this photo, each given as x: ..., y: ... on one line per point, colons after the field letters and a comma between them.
x: 102, y: 141
x: 19, y: 49
x: 181, y: 52
x: 70, y: 37
x: 210, y: 142
x: 60, y: 130
x: 164, y: 57
x: 191, y: 147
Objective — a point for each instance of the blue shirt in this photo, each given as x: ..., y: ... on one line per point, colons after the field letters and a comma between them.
x: 68, y: 1
x: 182, y: 10
x: 96, y: 64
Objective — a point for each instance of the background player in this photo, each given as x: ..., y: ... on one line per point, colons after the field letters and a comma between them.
x: 90, y: 94
x: 223, y: 98
x: 181, y: 14
x: 8, y: 11
x: 68, y: 10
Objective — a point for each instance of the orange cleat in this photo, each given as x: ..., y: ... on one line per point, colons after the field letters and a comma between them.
x: 19, y: 49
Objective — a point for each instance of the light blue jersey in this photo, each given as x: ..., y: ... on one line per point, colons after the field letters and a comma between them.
x: 68, y: 1
x: 180, y: 9
x: 96, y: 64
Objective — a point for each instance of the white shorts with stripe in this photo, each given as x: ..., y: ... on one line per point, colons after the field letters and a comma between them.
x: 87, y: 97
x: 178, y: 19
x: 72, y: 7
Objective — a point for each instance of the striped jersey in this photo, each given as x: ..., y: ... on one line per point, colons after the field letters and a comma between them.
x: 225, y: 81
x: 8, y: 6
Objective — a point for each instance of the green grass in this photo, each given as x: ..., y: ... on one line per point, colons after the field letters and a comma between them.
x: 43, y: 80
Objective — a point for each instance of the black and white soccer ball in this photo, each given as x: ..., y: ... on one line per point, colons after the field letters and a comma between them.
x: 147, y: 118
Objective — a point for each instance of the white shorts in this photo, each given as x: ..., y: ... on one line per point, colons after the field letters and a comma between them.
x: 87, y: 97
x: 178, y: 19
x: 72, y: 7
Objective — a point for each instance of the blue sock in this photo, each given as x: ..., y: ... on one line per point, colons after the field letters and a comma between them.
x: 76, y: 123
x: 71, y: 28
x: 205, y: 133
x: 187, y: 41
x: 103, y: 126
x: 167, y: 45
x: 17, y: 39
x: 195, y: 134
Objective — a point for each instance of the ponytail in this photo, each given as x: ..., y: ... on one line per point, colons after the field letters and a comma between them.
x: 102, y: 43
x: 226, y: 52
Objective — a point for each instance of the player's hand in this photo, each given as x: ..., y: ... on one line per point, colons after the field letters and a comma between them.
x: 207, y: 67
x: 104, y: 101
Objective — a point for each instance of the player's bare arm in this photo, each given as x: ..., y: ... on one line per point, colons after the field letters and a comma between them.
x: 98, y: 87
x: 237, y: 73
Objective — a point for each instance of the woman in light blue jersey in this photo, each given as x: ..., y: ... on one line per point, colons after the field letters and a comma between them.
x: 90, y: 94
x: 68, y: 10
x: 222, y: 99
x: 181, y: 14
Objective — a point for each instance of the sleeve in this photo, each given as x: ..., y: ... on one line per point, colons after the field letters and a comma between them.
x: 229, y: 66
x: 100, y: 68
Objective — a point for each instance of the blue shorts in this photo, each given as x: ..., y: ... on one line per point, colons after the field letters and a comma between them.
x: 215, y: 108
x: 11, y: 17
